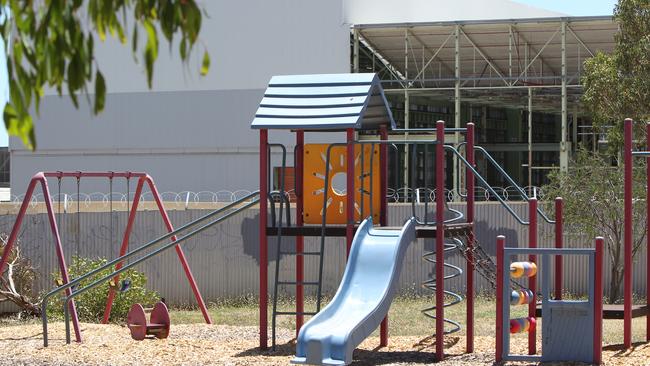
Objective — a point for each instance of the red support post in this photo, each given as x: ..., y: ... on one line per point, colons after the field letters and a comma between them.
x: 263, y: 301
x: 532, y: 281
x: 559, y: 243
x: 440, y: 237
x: 647, y: 248
x: 350, y: 192
x: 40, y: 178
x: 124, y: 247
x: 179, y: 250
x: 383, y: 212
x: 627, y: 235
x: 598, y: 303
x: 300, y: 262
x: 501, y: 241
x: 469, y: 295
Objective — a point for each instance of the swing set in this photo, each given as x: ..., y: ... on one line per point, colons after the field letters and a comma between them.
x: 132, y: 209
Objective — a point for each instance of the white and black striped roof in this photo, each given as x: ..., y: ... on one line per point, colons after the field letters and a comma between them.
x: 324, y: 102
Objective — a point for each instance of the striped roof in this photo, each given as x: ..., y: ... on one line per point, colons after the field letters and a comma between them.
x: 324, y: 102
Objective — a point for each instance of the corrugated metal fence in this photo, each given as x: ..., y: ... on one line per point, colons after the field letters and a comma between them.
x: 225, y: 258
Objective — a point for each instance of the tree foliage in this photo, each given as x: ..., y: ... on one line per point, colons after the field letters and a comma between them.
x: 617, y: 85
x: 92, y: 303
x: 53, y: 46
x: 593, y: 205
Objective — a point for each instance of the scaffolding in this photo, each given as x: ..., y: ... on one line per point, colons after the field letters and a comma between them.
x: 532, y: 65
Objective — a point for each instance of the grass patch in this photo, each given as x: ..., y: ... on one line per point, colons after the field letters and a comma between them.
x: 405, y: 317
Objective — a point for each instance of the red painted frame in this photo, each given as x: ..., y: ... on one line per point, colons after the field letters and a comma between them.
x: 440, y: 237
x: 532, y: 280
x: 300, y: 243
x: 501, y: 243
x: 469, y: 295
x: 559, y: 243
x: 598, y: 305
x: 41, y: 177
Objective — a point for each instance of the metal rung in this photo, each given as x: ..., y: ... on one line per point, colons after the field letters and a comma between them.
x: 298, y: 283
x: 303, y: 253
x: 295, y: 313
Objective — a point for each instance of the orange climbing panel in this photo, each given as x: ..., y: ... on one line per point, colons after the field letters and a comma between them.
x: 314, y: 183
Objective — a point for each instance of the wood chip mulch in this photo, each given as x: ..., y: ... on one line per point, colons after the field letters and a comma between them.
x: 199, y: 344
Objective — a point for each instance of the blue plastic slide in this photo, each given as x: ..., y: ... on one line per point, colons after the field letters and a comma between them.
x: 362, y: 300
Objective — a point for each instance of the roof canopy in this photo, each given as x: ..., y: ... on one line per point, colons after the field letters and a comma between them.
x: 324, y: 102
x: 495, y: 61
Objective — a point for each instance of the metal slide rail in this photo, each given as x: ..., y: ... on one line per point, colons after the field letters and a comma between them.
x: 235, y: 207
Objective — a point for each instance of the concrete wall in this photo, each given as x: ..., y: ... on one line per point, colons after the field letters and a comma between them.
x: 188, y: 132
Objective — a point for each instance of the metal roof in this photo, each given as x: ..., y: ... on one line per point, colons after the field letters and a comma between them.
x: 324, y: 102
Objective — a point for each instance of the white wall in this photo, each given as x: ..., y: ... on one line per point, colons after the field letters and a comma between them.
x: 190, y: 133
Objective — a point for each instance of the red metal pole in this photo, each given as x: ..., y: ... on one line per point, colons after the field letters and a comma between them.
x: 59, y: 254
x: 179, y: 250
x: 469, y: 176
x: 440, y: 237
x: 40, y: 177
x: 559, y: 267
x: 532, y: 281
x: 598, y: 302
x: 124, y: 247
x: 627, y: 236
x: 19, y: 220
x: 263, y: 239
x: 350, y: 192
x: 300, y: 262
x: 501, y: 241
x: 383, y: 212
x: 647, y: 248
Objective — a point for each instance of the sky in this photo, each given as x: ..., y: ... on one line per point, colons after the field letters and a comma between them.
x: 569, y: 7
x: 575, y: 7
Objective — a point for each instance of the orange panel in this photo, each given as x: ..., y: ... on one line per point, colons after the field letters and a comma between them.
x: 314, y: 183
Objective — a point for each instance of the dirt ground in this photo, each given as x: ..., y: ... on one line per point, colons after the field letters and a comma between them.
x: 199, y: 344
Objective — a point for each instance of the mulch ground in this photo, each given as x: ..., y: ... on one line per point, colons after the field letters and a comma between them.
x: 199, y: 344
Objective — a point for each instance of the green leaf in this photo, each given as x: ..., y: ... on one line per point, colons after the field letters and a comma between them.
x: 151, y: 51
x: 100, y: 92
x: 205, y: 65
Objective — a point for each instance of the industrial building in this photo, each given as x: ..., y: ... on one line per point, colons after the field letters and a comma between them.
x: 512, y: 69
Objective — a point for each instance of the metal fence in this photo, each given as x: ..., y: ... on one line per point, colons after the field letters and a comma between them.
x: 225, y: 258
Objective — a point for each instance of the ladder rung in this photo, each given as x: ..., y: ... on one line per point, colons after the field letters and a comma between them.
x: 297, y: 283
x: 295, y: 313
x: 303, y: 253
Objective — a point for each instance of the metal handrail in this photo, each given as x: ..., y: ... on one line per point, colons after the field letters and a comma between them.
x: 136, y: 251
x: 487, y: 186
x: 511, y: 181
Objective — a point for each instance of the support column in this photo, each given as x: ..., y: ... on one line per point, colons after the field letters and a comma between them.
x: 407, y: 107
x: 564, y: 146
x: 455, y: 186
x: 469, y: 176
x: 440, y: 237
x: 300, y: 259
x: 383, y: 213
x: 349, y: 192
x: 263, y: 300
x: 532, y: 281
x: 627, y: 234
x: 530, y: 138
x: 355, y: 51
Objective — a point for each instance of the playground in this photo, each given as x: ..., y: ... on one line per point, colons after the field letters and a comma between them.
x: 234, y: 342
x: 340, y: 193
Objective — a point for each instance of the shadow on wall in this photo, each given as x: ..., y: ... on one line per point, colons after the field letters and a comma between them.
x: 251, y: 240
